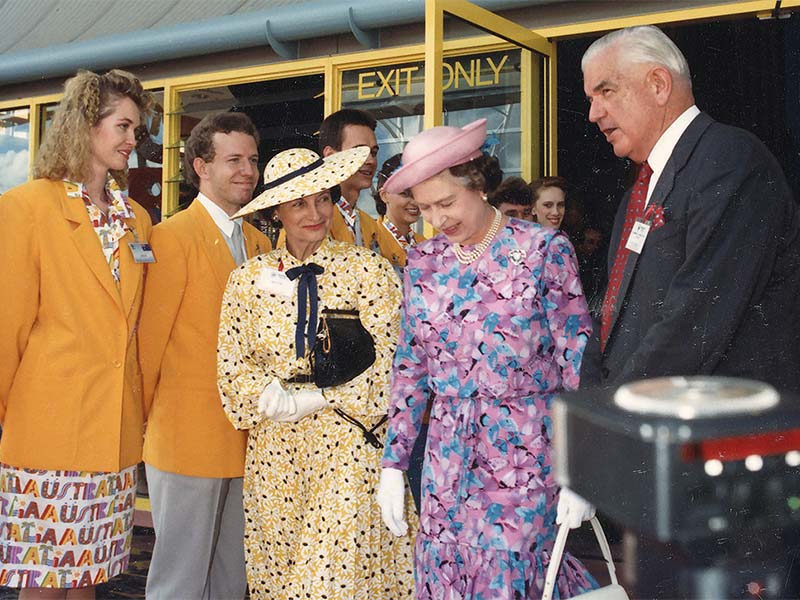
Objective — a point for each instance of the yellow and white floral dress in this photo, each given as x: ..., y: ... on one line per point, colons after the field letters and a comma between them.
x: 312, y: 526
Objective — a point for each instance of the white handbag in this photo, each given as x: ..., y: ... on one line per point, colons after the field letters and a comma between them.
x: 614, y: 591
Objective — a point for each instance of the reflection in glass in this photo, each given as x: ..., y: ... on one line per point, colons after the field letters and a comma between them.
x: 475, y: 86
x: 14, y: 136
x: 287, y: 113
x: 145, y: 164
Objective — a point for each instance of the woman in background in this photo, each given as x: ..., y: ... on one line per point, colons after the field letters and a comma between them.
x: 549, y: 201
x: 398, y: 214
x: 494, y: 324
x: 73, y: 247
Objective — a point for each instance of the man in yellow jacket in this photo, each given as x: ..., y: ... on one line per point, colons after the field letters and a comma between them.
x: 342, y: 130
x: 193, y: 456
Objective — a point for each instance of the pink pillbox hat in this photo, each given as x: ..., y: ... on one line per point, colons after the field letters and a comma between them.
x: 434, y: 150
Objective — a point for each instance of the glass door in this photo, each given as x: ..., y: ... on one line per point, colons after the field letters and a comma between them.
x: 536, y: 84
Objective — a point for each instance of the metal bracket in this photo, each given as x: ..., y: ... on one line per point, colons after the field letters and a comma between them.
x: 287, y: 50
x: 367, y: 38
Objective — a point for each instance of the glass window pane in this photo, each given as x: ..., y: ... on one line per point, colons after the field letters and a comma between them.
x: 14, y: 136
x: 474, y: 86
x: 287, y: 113
x: 144, y: 165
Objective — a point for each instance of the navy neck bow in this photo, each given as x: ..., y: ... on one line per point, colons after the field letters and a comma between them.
x: 306, y: 292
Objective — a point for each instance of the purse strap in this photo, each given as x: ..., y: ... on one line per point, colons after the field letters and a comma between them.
x: 369, y: 434
x: 558, y: 552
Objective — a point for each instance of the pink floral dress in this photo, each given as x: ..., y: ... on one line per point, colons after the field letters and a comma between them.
x: 494, y: 341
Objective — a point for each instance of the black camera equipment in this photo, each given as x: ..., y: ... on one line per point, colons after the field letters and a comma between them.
x: 702, y: 472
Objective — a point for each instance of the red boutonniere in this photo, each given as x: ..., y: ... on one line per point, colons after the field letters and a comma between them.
x: 657, y: 214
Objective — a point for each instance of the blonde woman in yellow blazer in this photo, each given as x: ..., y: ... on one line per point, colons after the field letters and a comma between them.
x: 72, y: 246
x: 194, y: 457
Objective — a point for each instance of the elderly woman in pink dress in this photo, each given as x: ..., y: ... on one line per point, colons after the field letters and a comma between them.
x: 494, y: 324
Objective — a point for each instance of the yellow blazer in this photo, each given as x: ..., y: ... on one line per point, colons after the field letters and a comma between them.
x: 70, y: 385
x: 187, y: 430
x: 390, y: 248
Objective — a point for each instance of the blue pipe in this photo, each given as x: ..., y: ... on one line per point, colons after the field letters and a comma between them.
x: 220, y: 34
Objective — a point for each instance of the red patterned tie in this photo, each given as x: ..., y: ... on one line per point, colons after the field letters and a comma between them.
x: 636, y: 205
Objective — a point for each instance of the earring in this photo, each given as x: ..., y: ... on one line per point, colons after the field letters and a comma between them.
x: 484, y: 197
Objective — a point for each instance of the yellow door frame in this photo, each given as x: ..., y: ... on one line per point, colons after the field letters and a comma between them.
x: 516, y: 34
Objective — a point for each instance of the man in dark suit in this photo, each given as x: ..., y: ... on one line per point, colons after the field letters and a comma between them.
x: 704, y: 259
x: 714, y: 287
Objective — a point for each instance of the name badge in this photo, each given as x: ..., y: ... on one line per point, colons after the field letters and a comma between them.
x: 637, y: 237
x: 276, y: 282
x: 142, y: 252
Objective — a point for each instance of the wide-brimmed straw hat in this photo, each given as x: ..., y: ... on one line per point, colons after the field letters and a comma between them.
x: 435, y: 150
x: 300, y: 172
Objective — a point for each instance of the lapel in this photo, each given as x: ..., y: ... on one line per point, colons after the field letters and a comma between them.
x: 339, y: 229
x: 86, y: 242
x: 215, y: 248
x: 680, y: 156
x: 130, y: 272
x: 252, y: 241
x: 677, y: 161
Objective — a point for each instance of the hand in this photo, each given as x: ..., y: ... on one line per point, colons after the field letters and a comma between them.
x: 276, y: 403
x: 572, y: 510
x: 391, y: 497
x: 306, y: 402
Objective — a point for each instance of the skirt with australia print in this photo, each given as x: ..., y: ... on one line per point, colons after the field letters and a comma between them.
x: 64, y: 529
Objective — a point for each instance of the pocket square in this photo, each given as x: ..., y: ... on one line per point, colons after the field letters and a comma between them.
x: 657, y: 214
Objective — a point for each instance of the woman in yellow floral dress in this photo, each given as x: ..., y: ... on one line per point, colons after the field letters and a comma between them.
x: 313, y: 528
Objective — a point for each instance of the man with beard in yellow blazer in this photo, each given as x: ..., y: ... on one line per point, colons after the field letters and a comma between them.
x: 193, y: 455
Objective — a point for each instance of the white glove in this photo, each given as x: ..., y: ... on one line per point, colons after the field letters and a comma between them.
x: 391, y: 497
x: 275, y: 402
x: 306, y: 402
x: 572, y: 510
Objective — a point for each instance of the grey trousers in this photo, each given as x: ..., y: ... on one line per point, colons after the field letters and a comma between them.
x: 199, y: 548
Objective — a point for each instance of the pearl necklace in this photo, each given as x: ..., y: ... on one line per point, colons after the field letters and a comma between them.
x: 466, y: 258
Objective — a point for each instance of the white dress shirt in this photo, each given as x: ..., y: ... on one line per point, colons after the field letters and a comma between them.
x: 661, y: 152
x: 220, y: 218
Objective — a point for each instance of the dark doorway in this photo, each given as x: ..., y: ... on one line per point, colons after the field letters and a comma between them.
x: 744, y: 73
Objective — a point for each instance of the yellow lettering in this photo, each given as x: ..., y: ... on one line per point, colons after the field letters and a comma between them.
x: 497, y: 68
x: 68, y: 538
x: 408, y: 71
x: 49, y: 514
x: 31, y: 556
x: 449, y: 77
x: 14, y: 533
x: 362, y: 84
x: 85, y: 559
x: 478, y: 81
x: 385, y: 83
x: 469, y: 78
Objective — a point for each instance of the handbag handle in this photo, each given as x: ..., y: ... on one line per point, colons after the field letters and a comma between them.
x: 558, y: 552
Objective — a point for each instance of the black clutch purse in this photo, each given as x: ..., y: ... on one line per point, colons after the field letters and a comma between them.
x: 343, y: 349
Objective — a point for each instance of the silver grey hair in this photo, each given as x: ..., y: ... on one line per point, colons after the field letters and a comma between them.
x: 644, y: 44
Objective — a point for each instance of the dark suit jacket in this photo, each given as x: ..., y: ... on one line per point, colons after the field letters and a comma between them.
x: 716, y: 288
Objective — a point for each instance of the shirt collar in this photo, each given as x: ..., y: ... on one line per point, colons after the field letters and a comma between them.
x: 219, y: 216
x: 661, y: 152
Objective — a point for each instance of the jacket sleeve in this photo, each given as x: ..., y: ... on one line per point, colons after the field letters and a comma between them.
x: 165, y: 284
x: 19, y: 276
x: 734, y: 216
